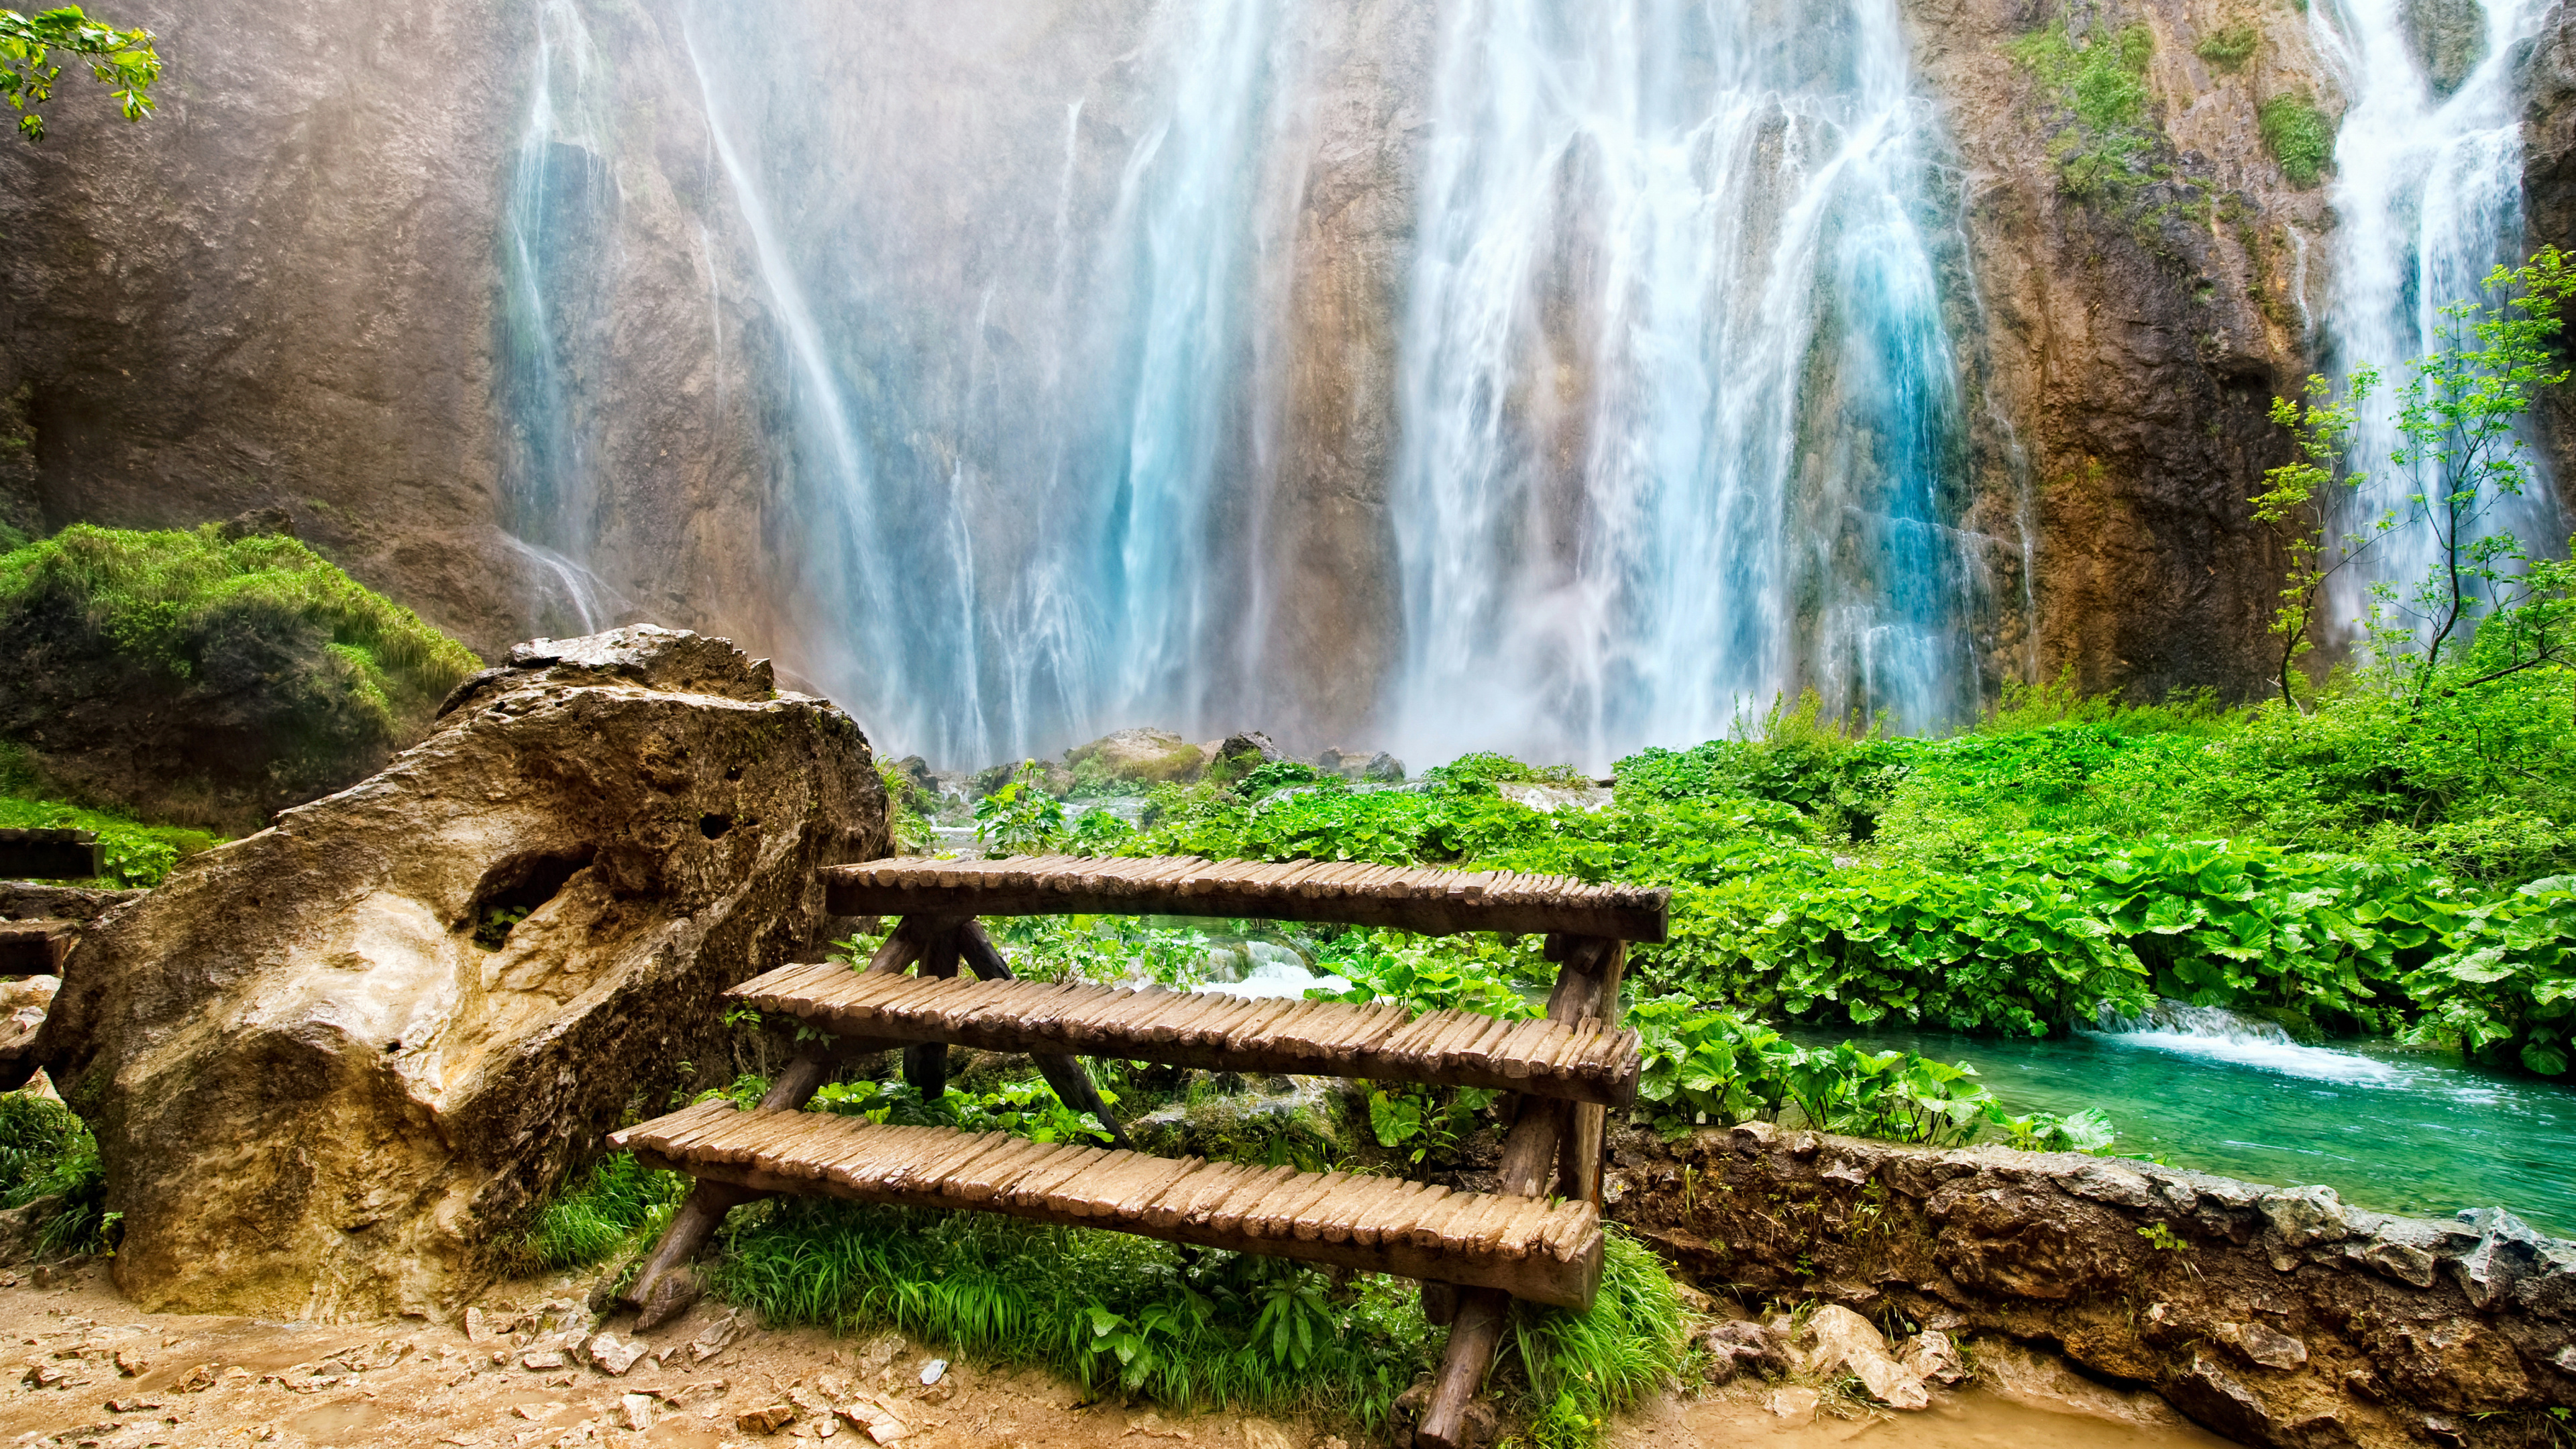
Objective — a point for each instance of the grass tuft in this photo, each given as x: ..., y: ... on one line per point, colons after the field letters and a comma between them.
x: 618, y: 1201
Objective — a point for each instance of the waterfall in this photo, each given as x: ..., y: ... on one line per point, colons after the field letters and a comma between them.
x: 1679, y: 407
x: 1674, y: 420
x: 2216, y: 1034
x: 560, y: 207
x: 1014, y: 393
x: 2427, y: 195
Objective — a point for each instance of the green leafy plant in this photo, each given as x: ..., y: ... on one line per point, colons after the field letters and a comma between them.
x: 2300, y: 503
x: 2230, y: 47
x: 2087, y: 1130
x: 2099, y: 86
x: 2459, y: 417
x: 2506, y: 987
x: 2300, y: 137
x: 122, y: 60
x: 1020, y: 818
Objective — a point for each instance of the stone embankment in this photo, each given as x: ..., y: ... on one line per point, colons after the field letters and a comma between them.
x: 2274, y: 1317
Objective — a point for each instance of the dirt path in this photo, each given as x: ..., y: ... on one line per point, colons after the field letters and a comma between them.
x: 94, y: 1372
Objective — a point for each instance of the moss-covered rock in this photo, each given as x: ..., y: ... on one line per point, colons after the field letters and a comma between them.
x: 209, y: 676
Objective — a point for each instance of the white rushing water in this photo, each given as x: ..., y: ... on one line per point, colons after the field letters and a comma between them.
x: 1679, y: 404
x: 1677, y: 416
x: 2427, y: 195
x: 2215, y: 1034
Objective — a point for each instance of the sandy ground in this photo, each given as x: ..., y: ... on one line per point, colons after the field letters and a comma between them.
x: 94, y: 1372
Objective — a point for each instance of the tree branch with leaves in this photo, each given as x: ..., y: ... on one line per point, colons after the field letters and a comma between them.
x: 122, y: 60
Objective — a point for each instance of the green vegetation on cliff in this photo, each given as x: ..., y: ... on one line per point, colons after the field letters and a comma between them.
x: 206, y: 676
x: 2299, y: 135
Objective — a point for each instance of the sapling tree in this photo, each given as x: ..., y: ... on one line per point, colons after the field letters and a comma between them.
x: 2459, y: 417
x: 2299, y: 507
x: 2459, y: 424
x: 122, y: 60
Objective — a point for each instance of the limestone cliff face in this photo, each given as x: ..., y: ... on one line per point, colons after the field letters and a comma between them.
x: 277, y: 292
x: 2128, y: 347
x: 2549, y: 190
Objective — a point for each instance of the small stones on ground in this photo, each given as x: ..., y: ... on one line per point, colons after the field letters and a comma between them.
x: 635, y: 1412
x: 869, y: 1415
x: 712, y: 1339
x: 131, y: 1406
x: 539, y: 1413
x: 44, y: 1376
x: 1798, y: 1406
x: 767, y: 1419
x: 478, y: 1329
x: 131, y: 1362
x: 614, y: 1356
x: 542, y: 1362
x: 878, y: 1352
x: 933, y: 1371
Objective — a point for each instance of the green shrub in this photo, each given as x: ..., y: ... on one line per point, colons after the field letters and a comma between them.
x: 1716, y: 1067
x: 2299, y: 135
x: 2229, y: 48
x: 135, y: 854
x: 1118, y: 1313
x: 47, y: 1151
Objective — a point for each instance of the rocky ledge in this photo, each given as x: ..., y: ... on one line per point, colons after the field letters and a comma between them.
x: 2278, y: 1317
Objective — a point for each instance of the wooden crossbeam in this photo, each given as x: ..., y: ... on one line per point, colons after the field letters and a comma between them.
x: 50, y: 855
x: 1421, y: 899
x: 1578, y: 1060
x: 36, y: 948
x: 1547, y: 1252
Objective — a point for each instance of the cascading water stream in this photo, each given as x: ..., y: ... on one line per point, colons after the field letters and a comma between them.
x: 1679, y: 404
x: 553, y: 223
x: 2427, y: 195
x: 1020, y: 540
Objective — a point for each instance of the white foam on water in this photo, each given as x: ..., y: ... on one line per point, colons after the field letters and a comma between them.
x: 2216, y: 1034
x: 1273, y: 980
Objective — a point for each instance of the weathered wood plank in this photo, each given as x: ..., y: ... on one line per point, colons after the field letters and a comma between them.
x: 1421, y: 899
x: 1321, y: 1038
x: 1313, y: 1217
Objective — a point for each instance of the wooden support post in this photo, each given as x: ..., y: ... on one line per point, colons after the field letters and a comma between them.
x: 1540, y: 1133
x: 925, y: 1064
x: 1578, y: 1172
x: 665, y: 1287
x: 1072, y: 1084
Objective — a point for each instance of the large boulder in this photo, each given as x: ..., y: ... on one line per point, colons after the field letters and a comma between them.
x: 1138, y: 757
x: 331, y: 1064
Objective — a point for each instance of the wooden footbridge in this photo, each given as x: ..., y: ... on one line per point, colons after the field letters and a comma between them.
x: 1537, y: 1236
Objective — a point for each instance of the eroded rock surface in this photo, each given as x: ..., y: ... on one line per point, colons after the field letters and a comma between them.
x: 2273, y: 1317
x: 327, y: 1064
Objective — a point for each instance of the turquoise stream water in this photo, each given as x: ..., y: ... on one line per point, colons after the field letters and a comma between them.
x: 2391, y: 1129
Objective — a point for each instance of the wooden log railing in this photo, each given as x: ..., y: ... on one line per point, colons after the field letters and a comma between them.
x: 1536, y: 1236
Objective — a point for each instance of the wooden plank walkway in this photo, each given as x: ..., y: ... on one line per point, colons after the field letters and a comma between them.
x: 1529, y: 1247
x: 1422, y: 899
x: 1579, y: 1061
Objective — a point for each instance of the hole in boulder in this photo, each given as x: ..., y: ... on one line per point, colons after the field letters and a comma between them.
x: 713, y: 827
x: 515, y: 888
